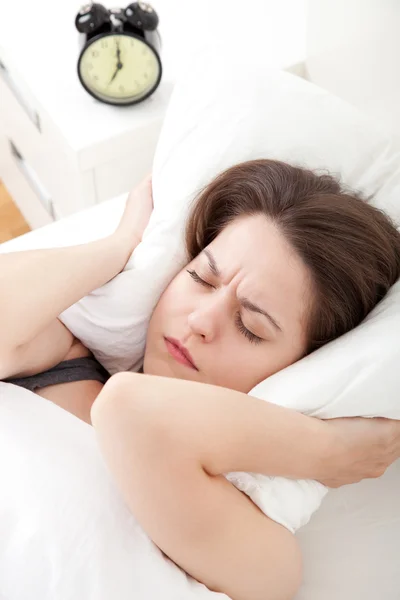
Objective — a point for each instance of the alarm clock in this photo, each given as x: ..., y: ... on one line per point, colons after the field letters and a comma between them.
x: 119, y: 62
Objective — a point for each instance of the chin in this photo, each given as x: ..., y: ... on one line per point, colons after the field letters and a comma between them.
x: 168, y: 368
x: 154, y: 365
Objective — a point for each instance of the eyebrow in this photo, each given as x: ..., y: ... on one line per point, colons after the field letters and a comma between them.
x: 212, y: 264
x: 245, y: 302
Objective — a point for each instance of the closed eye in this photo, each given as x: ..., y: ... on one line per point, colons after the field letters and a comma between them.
x: 198, y: 279
x: 254, y: 339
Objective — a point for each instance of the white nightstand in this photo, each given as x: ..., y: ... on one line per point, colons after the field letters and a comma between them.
x: 60, y: 149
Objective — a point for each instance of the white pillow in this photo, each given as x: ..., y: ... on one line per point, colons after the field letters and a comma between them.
x: 237, y: 116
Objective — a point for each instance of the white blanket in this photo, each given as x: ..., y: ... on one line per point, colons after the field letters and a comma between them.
x: 65, y: 533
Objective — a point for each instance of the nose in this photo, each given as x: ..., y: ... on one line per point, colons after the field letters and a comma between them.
x: 206, y: 319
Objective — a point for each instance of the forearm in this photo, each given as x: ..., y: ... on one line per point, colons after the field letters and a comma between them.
x: 37, y: 285
x: 230, y: 431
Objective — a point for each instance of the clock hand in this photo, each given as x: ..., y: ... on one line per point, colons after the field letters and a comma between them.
x: 119, y: 67
x: 118, y: 51
x: 119, y: 63
x: 115, y: 74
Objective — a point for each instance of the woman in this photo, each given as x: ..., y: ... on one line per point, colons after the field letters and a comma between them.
x: 281, y: 261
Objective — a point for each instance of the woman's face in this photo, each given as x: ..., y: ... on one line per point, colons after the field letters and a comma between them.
x: 239, y: 309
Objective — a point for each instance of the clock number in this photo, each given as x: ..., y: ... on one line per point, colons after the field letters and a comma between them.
x: 96, y: 77
x: 95, y: 53
x: 132, y: 43
x: 104, y: 44
x: 90, y: 67
x: 144, y: 51
x: 145, y: 76
x: 121, y: 88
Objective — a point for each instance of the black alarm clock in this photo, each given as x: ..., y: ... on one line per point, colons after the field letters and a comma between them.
x: 119, y: 63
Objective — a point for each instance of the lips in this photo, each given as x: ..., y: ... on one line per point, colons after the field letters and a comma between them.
x: 179, y: 352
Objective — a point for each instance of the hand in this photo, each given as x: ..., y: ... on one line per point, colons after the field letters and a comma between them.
x: 115, y: 74
x: 119, y: 63
x: 138, y: 209
x: 365, y: 448
x: 118, y: 52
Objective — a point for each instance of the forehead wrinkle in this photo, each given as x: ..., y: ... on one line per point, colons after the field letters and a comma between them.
x: 264, y: 239
x: 245, y: 302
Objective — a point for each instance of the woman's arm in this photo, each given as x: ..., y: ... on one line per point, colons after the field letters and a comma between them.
x: 201, y: 522
x: 227, y: 431
x: 230, y: 431
x: 37, y: 285
x: 166, y: 442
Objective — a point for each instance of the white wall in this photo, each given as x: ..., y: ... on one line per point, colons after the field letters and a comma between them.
x: 353, y: 49
x: 275, y: 28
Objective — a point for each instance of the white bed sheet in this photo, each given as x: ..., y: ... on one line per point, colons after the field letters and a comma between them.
x: 65, y: 532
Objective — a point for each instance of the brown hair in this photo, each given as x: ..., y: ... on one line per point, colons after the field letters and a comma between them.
x: 351, y: 248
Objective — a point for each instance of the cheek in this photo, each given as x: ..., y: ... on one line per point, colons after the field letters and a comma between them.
x: 250, y: 365
x: 172, y: 301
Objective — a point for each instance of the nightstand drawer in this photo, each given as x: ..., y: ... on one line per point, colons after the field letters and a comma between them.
x: 21, y: 126
x: 22, y: 96
x: 39, y: 145
x: 21, y: 182
x: 17, y: 124
x: 20, y: 120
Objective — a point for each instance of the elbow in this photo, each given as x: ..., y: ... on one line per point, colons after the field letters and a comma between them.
x: 135, y: 399
x: 125, y: 408
x: 112, y: 398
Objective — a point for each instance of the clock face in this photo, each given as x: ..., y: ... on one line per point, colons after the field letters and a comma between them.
x: 119, y: 68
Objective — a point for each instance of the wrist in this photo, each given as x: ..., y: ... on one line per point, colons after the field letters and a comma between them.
x: 125, y: 244
x: 331, y: 450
